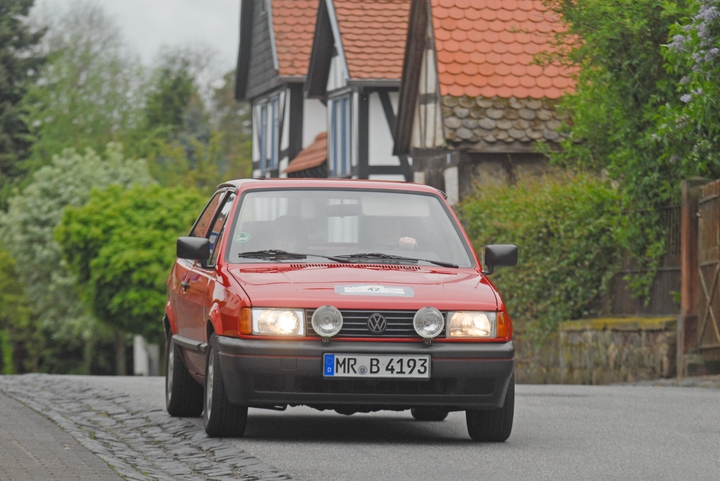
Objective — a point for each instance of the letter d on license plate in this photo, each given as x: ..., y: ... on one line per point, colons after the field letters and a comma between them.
x: 381, y: 365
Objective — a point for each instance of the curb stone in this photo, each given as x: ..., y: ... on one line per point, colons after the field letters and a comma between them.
x: 139, y: 442
x: 712, y: 382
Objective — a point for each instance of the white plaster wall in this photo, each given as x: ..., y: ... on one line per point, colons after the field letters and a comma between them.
x: 314, y: 120
x: 397, y: 178
x: 336, y: 79
x: 452, y: 186
x: 380, y: 142
x: 284, y: 107
x: 354, y: 129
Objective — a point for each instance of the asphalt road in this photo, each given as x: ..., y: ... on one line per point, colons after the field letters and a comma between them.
x: 560, y: 432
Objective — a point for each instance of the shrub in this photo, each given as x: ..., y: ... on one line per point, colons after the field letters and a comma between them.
x: 566, y: 230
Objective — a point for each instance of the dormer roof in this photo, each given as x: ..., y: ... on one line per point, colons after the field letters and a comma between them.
x: 368, y: 37
x: 275, y: 43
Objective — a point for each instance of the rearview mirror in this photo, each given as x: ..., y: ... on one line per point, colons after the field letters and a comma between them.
x: 500, y: 255
x: 193, y: 248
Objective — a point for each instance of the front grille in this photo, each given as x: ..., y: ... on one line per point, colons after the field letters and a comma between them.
x: 399, y: 323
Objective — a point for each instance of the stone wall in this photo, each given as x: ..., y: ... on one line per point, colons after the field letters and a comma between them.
x: 600, y: 351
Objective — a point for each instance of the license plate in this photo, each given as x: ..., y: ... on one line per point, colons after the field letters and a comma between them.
x: 372, y: 365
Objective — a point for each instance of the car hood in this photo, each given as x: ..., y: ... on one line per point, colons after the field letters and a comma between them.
x: 361, y: 286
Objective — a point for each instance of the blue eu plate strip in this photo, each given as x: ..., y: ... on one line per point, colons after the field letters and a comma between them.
x: 329, y: 364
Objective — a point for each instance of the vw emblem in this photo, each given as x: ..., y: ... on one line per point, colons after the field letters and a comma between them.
x: 377, y: 323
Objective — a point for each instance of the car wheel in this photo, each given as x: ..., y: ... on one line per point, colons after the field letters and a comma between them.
x: 183, y: 396
x: 221, y: 418
x: 493, y: 425
x: 429, y: 413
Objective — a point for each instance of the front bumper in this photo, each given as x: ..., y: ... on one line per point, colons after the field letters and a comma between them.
x: 270, y: 373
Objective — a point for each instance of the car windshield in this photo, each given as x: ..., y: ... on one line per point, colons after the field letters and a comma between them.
x: 359, y: 226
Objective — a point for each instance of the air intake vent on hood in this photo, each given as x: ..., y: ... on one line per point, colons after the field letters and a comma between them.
x: 393, y: 267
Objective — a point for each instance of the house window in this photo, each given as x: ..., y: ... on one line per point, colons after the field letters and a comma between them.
x: 340, y: 136
x: 269, y: 134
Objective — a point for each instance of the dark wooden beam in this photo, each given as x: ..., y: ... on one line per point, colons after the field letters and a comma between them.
x: 409, y: 85
x: 243, y: 63
x: 385, y: 170
x: 296, y: 120
x: 363, y: 135
x: 321, y: 55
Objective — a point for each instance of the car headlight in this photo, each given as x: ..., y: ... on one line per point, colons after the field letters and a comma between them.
x: 327, y: 321
x: 472, y: 324
x: 278, y: 322
x: 428, y: 322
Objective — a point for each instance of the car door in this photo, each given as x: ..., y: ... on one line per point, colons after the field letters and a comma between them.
x: 201, y: 280
x: 183, y: 287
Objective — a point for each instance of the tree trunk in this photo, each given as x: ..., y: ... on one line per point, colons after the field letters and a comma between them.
x: 120, y: 354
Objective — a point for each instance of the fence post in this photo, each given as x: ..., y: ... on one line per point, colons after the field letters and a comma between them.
x: 690, y: 270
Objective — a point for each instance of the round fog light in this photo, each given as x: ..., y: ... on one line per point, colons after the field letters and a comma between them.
x: 327, y: 321
x: 428, y: 322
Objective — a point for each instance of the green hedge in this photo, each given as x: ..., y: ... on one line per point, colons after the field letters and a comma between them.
x: 566, y: 229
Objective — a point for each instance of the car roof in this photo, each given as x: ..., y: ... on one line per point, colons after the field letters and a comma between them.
x: 281, y: 183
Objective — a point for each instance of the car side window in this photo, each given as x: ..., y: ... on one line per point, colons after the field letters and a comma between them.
x: 203, y: 222
x: 218, y: 228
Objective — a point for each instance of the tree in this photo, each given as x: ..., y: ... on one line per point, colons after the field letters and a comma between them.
x: 201, y: 136
x: 232, y: 120
x: 121, y: 246
x: 90, y: 91
x: 19, y: 63
x: 172, y: 88
x: 689, y: 124
x: 14, y: 319
x: 27, y: 231
x: 616, y: 45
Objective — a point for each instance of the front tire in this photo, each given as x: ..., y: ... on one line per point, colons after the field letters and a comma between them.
x: 221, y: 418
x: 183, y: 396
x: 429, y: 413
x: 493, y: 425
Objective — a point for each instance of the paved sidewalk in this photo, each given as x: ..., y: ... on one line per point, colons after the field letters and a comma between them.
x: 34, y: 448
x: 139, y: 441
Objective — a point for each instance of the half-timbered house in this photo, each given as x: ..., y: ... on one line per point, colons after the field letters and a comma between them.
x: 275, y: 42
x: 355, y: 68
x: 473, y: 103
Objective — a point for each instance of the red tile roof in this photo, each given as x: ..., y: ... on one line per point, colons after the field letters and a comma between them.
x: 485, y: 49
x: 312, y: 156
x: 373, y: 35
x: 294, y: 28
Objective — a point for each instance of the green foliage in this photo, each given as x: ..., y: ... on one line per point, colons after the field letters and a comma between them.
x: 621, y: 85
x: 232, y: 120
x: 565, y: 228
x: 173, y: 87
x: 18, y: 64
x: 27, y: 232
x: 14, y: 316
x: 121, y: 246
x: 689, y: 124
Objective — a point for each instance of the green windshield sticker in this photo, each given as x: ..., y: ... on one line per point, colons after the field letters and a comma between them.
x: 242, y: 237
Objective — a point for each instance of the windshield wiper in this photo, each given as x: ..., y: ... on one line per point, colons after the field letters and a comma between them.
x: 380, y: 255
x: 276, y: 254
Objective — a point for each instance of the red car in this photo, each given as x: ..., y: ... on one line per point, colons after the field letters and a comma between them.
x: 349, y: 295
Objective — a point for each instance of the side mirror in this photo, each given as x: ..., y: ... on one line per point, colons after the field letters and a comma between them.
x: 193, y: 248
x: 500, y: 255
